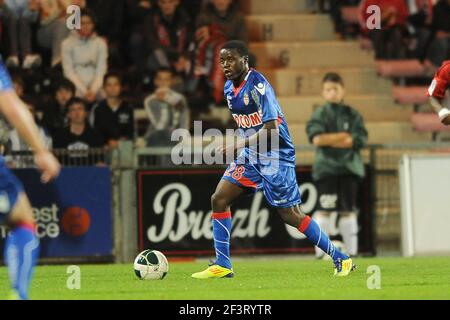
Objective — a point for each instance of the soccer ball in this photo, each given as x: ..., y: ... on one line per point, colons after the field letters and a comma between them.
x: 151, y: 265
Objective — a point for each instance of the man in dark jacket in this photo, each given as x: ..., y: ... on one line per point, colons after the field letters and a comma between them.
x: 113, y: 116
x: 338, y: 132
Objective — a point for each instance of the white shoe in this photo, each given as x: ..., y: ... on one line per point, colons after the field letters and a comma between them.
x: 12, y: 61
x: 32, y: 60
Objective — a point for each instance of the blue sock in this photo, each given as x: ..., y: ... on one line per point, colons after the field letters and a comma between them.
x: 222, y: 230
x: 314, y: 234
x: 21, y: 254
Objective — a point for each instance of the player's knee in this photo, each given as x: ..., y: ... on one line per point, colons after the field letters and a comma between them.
x: 22, y: 211
x: 347, y: 214
x: 218, y: 202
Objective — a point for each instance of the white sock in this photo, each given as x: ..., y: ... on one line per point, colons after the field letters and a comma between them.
x: 323, y: 220
x: 348, y: 228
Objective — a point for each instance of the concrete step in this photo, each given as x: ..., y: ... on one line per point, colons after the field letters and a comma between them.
x: 286, y: 27
x: 271, y: 7
x: 379, y: 132
x: 308, y: 81
x: 325, y: 54
x: 373, y: 108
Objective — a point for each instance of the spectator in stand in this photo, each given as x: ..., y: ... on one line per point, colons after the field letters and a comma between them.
x: 138, y: 11
x: 19, y: 15
x: 78, y: 135
x: 17, y: 145
x: 55, y: 113
x: 439, y: 49
x: 110, y: 24
x: 53, y: 30
x: 167, y: 35
x: 85, y: 58
x: 420, y: 19
x: 335, y: 9
x: 113, y: 117
x: 167, y: 110
x: 219, y: 21
x: 389, y: 41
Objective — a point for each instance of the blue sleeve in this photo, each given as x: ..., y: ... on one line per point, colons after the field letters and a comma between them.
x: 267, y: 101
x: 5, y: 80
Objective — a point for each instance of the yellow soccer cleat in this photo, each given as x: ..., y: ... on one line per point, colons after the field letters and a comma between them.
x: 214, y: 271
x: 343, y: 267
x: 13, y: 295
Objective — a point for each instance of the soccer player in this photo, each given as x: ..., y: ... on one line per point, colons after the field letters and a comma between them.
x: 22, y: 245
x: 436, y: 92
x: 253, y: 105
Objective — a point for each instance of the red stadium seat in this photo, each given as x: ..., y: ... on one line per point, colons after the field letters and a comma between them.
x: 428, y: 122
x: 400, y: 68
x: 350, y: 14
x: 410, y: 95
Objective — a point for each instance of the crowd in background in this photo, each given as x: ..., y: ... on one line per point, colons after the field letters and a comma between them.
x: 84, y: 85
x: 410, y: 29
x: 162, y: 55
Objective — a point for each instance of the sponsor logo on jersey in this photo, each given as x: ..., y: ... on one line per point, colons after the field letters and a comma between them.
x: 261, y: 88
x: 248, y: 121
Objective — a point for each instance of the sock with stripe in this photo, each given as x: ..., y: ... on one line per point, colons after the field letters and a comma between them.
x: 314, y: 234
x: 221, y: 222
x: 21, y: 254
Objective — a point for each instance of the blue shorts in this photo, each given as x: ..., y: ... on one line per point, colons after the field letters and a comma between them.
x: 279, y: 186
x: 10, y: 188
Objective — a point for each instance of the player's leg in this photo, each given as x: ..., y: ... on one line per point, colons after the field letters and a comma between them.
x: 282, y: 192
x: 327, y: 196
x: 22, y: 247
x: 225, y: 194
x: 323, y: 220
x: 236, y: 181
x: 348, y: 213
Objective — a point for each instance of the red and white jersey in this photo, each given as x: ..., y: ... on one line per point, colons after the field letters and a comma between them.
x: 441, y: 81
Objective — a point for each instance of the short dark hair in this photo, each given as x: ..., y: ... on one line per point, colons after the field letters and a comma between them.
x: 76, y: 100
x: 333, y: 77
x: 238, y: 45
x: 89, y: 13
x: 16, y: 78
x: 164, y: 69
x: 65, y: 84
x: 112, y: 74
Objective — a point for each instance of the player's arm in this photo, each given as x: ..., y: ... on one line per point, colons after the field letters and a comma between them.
x: 268, y: 132
x: 21, y: 119
x: 438, y: 106
x: 436, y: 94
x: 335, y: 140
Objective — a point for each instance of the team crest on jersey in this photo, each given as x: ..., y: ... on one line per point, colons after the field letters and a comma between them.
x: 246, y: 99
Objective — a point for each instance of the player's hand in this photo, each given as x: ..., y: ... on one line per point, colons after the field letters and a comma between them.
x: 48, y: 165
x: 446, y: 121
x: 225, y: 149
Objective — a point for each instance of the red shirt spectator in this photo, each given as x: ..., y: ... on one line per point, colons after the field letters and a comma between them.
x: 393, y: 12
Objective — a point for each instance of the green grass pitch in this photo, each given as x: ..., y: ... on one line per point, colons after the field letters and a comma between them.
x: 292, y: 278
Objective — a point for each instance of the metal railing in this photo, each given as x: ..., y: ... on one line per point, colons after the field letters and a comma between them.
x: 382, y: 161
x: 67, y: 158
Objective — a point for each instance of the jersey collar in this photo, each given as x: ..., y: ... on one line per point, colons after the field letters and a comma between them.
x: 236, y: 91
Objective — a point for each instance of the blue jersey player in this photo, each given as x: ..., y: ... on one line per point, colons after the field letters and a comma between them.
x: 22, y: 245
x: 256, y: 111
